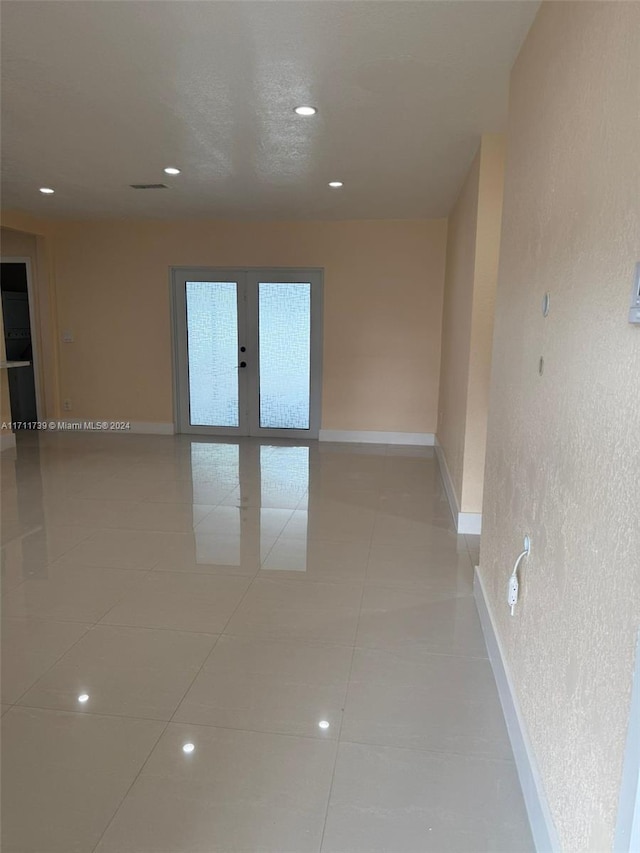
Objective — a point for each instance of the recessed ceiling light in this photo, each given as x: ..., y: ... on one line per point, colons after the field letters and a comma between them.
x: 324, y: 724
x: 188, y: 747
x: 47, y: 190
x: 171, y: 170
x: 83, y: 697
x: 336, y: 184
x: 306, y: 111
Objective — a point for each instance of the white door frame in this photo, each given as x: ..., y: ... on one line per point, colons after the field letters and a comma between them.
x: 34, y: 323
x: 245, y: 276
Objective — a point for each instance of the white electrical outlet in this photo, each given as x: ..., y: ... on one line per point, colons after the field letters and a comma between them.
x: 512, y: 595
x: 67, y: 405
x: 513, y: 585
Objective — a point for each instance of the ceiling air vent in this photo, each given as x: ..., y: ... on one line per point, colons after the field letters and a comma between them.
x: 149, y: 186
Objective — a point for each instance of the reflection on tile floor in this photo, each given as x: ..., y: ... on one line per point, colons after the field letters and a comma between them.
x: 219, y: 645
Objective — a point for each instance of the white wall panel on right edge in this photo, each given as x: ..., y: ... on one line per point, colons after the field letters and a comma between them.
x: 563, y: 460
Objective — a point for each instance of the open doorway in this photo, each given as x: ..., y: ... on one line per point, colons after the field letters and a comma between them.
x: 18, y: 341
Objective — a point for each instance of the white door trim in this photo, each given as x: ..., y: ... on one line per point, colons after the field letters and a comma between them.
x: 245, y: 278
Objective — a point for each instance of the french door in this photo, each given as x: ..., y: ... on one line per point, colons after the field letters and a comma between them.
x: 248, y: 351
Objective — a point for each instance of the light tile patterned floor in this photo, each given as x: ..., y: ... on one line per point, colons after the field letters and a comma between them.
x: 302, y: 615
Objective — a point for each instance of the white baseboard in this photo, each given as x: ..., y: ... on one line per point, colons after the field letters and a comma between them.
x: 627, y: 836
x: 153, y: 427
x: 465, y: 522
x: 447, y: 482
x: 424, y: 439
x: 135, y: 427
x: 7, y: 440
x: 470, y: 522
x: 543, y: 830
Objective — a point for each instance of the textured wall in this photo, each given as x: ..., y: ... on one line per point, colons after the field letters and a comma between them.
x: 382, y: 311
x: 473, y: 245
x: 562, y: 456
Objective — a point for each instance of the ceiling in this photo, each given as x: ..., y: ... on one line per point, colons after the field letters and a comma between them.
x: 100, y: 95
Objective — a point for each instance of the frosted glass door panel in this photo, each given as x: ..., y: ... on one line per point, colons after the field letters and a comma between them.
x: 284, y: 331
x: 212, y: 345
x: 248, y: 352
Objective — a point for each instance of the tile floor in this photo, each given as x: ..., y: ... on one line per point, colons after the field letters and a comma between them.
x: 243, y: 646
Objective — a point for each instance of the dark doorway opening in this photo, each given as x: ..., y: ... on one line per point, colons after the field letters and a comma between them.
x: 18, y: 344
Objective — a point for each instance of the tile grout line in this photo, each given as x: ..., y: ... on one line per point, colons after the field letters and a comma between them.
x: 169, y: 722
x: 101, y: 624
x: 250, y: 579
x: 67, y: 622
x: 151, y: 751
x: 346, y: 692
x: 191, y: 683
x: 58, y: 659
x: 88, y: 713
x: 144, y: 572
x: 90, y: 627
x: 278, y: 537
x: 432, y: 751
x: 295, y: 735
x: 135, y: 779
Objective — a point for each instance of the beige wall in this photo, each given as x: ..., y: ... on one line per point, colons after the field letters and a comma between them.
x: 562, y: 455
x: 17, y: 244
x: 488, y: 225
x: 383, y: 306
x: 467, y: 324
x: 456, y: 326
